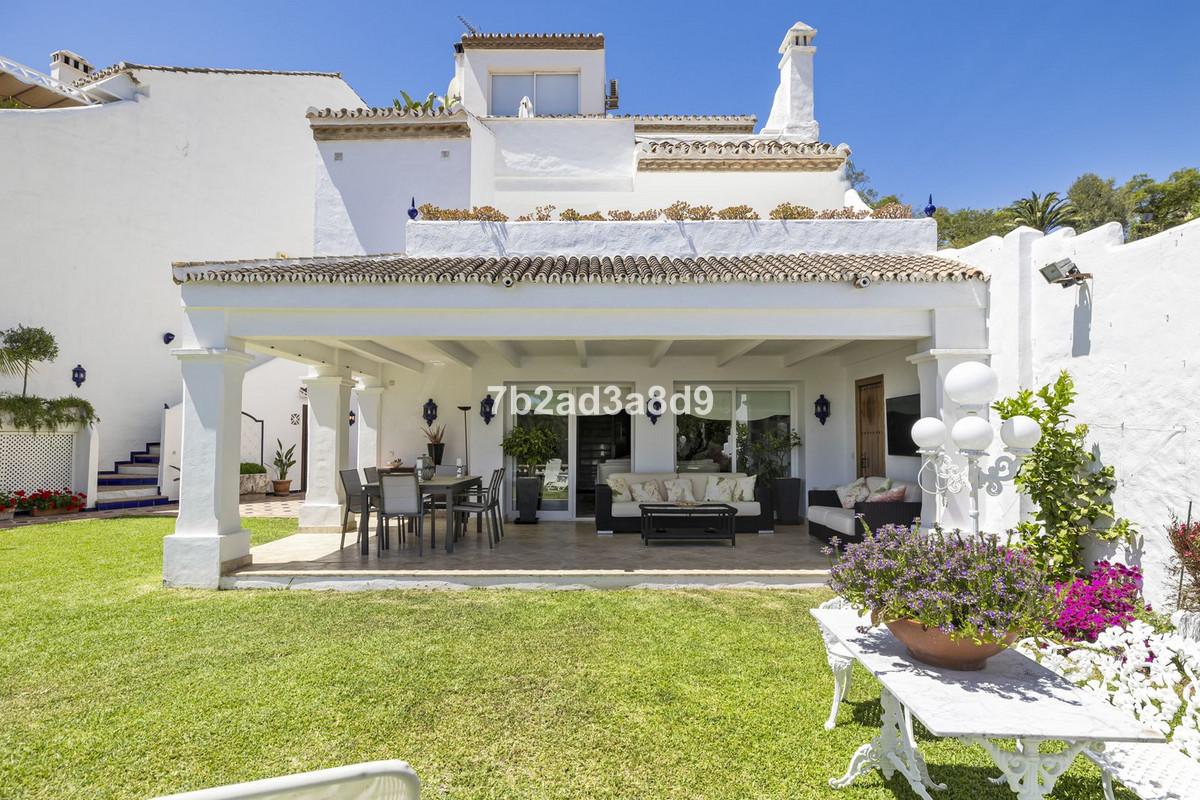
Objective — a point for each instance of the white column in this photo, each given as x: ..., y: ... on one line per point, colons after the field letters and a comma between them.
x: 369, y: 424
x: 328, y: 451
x: 208, y: 538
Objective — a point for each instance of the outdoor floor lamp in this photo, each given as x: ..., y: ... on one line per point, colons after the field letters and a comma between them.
x: 971, y: 386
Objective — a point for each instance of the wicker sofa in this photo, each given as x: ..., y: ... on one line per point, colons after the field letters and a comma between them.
x: 755, y: 517
x: 827, y: 518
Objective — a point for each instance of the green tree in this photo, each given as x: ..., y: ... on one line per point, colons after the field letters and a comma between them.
x: 1073, y: 492
x: 1097, y: 201
x: 967, y: 226
x: 21, y: 348
x: 1042, y: 212
x: 861, y: 183
x: 1161, y: 205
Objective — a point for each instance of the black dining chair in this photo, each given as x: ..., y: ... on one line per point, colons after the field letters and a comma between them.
x: 400, y: 498
x: 371, y: 474
x: 486, y: 505
x: 356, y: 500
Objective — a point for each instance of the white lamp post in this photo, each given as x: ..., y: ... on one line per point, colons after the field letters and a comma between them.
x: 972, y: 386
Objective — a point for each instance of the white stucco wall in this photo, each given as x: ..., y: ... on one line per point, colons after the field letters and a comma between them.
x: 1125, y: 338
x: 98, y: 201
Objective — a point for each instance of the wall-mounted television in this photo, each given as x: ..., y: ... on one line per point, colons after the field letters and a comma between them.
x: 902, y: 413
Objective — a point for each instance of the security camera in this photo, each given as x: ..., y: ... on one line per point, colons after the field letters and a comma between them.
x: 862, y: 282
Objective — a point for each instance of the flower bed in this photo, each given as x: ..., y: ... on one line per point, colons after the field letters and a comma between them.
x: 45, y: 502
x: 1110, y: 595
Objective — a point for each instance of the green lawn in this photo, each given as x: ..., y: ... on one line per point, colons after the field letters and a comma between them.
x: 111, y: 686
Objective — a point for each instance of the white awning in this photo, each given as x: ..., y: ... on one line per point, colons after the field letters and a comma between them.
x: 37, y: 89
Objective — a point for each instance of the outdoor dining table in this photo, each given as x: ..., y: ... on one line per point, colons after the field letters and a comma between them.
x: 1011, y: 698
x: 447, y: 487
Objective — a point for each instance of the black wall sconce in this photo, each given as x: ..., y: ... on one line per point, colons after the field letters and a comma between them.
x: 429, y: 411
x: 168, y: 337
x: 487, y: 409
x: 821, y: 409
x: 654, y: 410
x: 353, y: 417
x: 79, y: 375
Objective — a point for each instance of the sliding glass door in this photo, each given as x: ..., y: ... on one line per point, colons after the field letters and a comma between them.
x: 739, y: 434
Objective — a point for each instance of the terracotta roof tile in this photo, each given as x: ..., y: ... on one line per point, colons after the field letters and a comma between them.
x: 641, y: 269
x: 533, y: 41
x: 126, y: 66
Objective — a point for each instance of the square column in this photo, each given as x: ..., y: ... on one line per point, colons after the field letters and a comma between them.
x: 369, y: 424
x: 208, y: 538
x: 328, y: 451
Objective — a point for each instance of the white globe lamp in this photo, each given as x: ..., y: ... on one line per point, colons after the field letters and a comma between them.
x: 972, y: 384
x: 972, y: 434
x: 1020, y: 433
x: 929, y: 433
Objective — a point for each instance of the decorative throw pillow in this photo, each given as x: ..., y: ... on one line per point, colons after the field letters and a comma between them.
x: 620, y: 489
x: 720, y: 490
x: 854, y: 492
x: 745, y: 489
x: 679, y: 491
x: 895, y: 495
x: 646, y: 492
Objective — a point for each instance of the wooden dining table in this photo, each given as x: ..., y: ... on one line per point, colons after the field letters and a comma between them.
x: 446, y: 487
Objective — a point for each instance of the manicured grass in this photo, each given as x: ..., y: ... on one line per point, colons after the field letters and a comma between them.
x: 111, y: 686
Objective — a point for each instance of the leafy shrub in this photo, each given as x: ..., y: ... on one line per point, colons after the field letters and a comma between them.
x: 677, y: 211
x: 649, y: 215
x: 250, y: 468
x: 892, y: 211
x: 34, y: 413
x: 792, y: 211
x: 488, y: 214
x: 432, y: 213
x: 972, y: 587
x: 1185, y: 541
x: 700, y: 213
x: 1072, y: 492
x: 1110, y: 595
x: 571, y: 215
x: 843, y: 213
x: 737, y: 212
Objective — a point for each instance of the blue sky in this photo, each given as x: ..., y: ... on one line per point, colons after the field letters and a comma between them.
x: 976, y: 102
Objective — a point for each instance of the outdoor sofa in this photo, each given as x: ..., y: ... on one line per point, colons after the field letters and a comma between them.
x: 757, y: 516
x: 827, y: 518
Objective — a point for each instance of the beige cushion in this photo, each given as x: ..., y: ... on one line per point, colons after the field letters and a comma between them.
x: 721, y: 488
x: 839, y: 519
x: 745, y: 488
x: 912, y: 492
x: 620, y: 488
x: 626, y: 510
x: 747, y: 509
x: 875, y: 484
x: 642, y: 477
x: 854, y: 492
x: 679, y: 489
x: 647, y: 492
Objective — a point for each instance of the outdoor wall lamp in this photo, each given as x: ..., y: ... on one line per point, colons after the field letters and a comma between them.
x: 972, y: 386
x: 1065, y: 273
x: 487, y: 409
x: 821, y: 409
x: 353, y: 417
x: 654, y: 410
x: 168, y: 337
x: 429, y: 411
x: 79, y: 375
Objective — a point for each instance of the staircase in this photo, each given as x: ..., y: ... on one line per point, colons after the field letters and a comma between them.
x: 132, y: 483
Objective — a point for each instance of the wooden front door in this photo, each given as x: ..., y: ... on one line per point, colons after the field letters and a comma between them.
x: 869, y: 427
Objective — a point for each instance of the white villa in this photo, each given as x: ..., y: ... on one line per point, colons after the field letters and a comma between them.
x: 275, y: 206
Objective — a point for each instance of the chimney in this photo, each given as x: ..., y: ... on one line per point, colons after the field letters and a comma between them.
x: 68, y: 67
x: 792, y: 112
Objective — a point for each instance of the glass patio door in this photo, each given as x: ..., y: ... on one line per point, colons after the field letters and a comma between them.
x: 743, y: 427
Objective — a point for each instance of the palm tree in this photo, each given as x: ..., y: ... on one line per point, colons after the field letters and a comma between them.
x: 1044, y: 213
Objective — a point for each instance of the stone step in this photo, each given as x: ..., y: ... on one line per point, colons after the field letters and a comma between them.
x: 153, y: 448
x: 110, y: 493
x: 143, y: 458
x: 115, y: 479
x: 131, y: 468
x: 136, y: 502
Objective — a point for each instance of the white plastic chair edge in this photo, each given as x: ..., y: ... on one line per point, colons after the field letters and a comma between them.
x: 309, y: 780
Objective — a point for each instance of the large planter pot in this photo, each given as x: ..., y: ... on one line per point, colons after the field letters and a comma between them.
x: 931, y: 646
x: 436, y: 451
x: 54, y: 512
x: 282, y: 487
x: 6, y: 516
x: 257, y: 483
x: 786, y: 494
x: 529, y: 492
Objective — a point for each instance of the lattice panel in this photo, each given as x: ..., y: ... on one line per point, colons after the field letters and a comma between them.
x: 33, y: 461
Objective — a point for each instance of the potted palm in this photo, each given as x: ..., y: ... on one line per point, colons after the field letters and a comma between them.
x: 435, y: 446
x: 283, y: 462
x: 769, y: 456
x: 530, y: 448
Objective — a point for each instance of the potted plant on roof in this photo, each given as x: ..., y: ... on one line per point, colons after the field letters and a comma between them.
x: 768, y: 455
x: 435, y: 446
x: 954, y: 601
x: 283, y: 462
x: 530, y: 447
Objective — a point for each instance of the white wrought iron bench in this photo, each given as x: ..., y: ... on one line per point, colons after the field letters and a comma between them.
x: 372, y: 780
x: 841, y: 663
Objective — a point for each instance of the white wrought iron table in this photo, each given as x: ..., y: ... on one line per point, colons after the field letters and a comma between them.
x: 1012, y: 698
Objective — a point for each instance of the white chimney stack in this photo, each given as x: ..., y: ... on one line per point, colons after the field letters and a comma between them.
x: 67, y: 67
x: 792, y: 112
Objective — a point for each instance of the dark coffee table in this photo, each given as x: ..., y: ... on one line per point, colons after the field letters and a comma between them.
x: 688, y: 522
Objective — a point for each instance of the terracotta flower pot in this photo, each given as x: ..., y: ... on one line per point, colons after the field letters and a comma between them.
x: 282, y: 487
x: 931, y: 646
x: 53, y: 512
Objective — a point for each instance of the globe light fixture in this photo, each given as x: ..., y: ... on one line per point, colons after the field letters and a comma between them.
x: 972, y: 386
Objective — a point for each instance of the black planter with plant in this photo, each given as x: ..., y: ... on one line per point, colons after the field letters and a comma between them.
x: 769, y: 456
x: 530, y: 448
x: 435, y: 446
